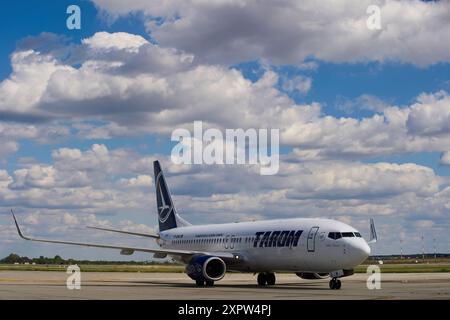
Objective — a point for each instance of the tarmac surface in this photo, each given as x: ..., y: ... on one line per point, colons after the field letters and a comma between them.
x: 118, y: 285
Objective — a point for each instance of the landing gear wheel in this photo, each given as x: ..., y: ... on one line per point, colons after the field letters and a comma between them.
x: 262, y: 279
x: 209, y: 283
x: 199, y: 283
x: 335, y: 284
x: 332, y: 283
x: 270, y: 277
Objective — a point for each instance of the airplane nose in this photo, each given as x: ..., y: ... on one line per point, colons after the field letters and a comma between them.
x: 361, y: 250
x: 366, y: 249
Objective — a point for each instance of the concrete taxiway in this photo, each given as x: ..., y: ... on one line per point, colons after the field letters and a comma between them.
x: 118, y: 285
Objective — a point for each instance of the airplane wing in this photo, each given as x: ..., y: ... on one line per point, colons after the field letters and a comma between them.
x: 129, y: 250
x: 150, y: 235
x: 373, y: 232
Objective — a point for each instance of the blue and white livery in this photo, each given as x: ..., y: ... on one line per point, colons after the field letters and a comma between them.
x: 310, y: 248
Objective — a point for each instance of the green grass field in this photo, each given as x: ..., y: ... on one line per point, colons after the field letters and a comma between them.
x: 96, y: 268
x: 409, y: 268
x: 387, y: 268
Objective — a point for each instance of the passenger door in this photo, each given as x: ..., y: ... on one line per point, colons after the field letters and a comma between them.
x: 311, y: 242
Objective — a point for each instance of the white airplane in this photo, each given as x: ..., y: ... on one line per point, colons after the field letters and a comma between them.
x: 310, y: 248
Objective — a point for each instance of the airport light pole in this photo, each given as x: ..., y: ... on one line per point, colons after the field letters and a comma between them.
x: 401, y: 249
x: 423, y: 249
x: 434, y: 246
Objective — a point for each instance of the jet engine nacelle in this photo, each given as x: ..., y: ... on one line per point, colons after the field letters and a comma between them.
x: 312, y: 276
x: 208, y: 268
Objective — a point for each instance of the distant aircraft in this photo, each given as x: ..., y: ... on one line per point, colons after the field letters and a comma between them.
x: 310, y: 248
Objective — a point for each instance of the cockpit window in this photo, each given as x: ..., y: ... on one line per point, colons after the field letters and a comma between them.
x: 347, y: 234
x: 334, y: 235
x: 338, y: 235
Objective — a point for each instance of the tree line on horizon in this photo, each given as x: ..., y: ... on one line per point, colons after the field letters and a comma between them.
x: 58, y: 260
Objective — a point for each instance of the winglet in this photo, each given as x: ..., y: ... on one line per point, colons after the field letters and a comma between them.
x: 373, y: 232
x: 17, y: 226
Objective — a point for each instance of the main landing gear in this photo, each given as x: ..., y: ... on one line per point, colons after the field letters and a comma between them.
x: 266, y: 278
x: 335, y: 284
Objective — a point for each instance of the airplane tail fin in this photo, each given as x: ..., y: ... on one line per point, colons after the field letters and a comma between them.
x: 166, y: 209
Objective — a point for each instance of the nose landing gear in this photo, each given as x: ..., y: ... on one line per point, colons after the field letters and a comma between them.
x: 335, y: 284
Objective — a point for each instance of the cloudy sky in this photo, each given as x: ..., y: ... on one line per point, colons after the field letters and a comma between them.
x: 363, y: 114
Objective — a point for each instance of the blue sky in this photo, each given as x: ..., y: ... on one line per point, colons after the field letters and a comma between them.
x: 47, y: 16
x: 394, y: 83
x: 330, y: 95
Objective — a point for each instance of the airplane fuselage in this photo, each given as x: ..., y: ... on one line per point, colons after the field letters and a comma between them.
x: 305, y: 245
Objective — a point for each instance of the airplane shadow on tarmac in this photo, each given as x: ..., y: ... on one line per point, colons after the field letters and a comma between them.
x: 284, y: 286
